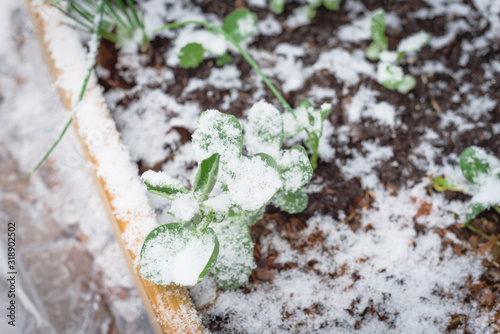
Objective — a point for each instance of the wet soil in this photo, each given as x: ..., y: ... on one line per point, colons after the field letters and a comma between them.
x: 419, y: 111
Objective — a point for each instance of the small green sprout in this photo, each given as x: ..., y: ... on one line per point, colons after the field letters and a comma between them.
x: 278, y: 6
x: 307, y: 122
x: 389, y: 73
x: 122, y: 23
x: 239, y: 24
x: 482, y: 174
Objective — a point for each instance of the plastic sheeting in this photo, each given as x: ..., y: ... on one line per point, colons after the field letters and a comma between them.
x: 71, y: 276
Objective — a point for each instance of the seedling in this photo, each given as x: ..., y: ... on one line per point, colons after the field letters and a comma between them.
x: 482, y: 174
x: 122, y: 23
x: 389, y: 73
x: 278, y: 6
x: 307, y: 122
x: 243, y: 186
x: 239, y: 24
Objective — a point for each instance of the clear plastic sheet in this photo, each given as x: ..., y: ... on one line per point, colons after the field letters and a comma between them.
x: 71, y: 276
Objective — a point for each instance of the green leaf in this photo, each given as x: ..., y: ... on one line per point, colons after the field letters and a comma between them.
x: 311, y: 13
x: 291, y: 202
x: 264, y: 129
x: 314, y: 3
x: 217, y: 133
x: 253, y: 217
x: 173, y: 254
x: 373, y: 51
x: 277, y: 6
x: 473, y: 162
x: 331, y: 4
x: 389, y: 75
x: 223, y: 60
x: 161, y: 184
x: 409, y: 82
x: 306, y: 103
x: 295, y: 168
x: 206, y: 177
x: 378, y: 30
x: 235, y: 262
x: 240, y: 24
x: 191, y: 55
x: 326, y: 109
x: 476, y: 209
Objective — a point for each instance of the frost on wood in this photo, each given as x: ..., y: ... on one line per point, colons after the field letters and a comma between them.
x: 173, y: 254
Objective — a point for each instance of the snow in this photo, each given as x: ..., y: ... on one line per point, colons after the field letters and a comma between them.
x: 264, y: 130
x: 160, y: 179
x: 364, y: 105
x: 165, y: 257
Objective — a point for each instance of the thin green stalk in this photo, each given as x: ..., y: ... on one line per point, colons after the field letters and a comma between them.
x: 476, y: 230
x: 243, y: 52
x: 74, y: 18
x: 122, y: 7
x: 80, y: 96
x: 114, y: 14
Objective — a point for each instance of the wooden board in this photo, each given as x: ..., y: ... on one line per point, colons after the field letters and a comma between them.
x: 169, y: 307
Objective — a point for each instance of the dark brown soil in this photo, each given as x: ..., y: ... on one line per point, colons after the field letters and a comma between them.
x: 421, y: 111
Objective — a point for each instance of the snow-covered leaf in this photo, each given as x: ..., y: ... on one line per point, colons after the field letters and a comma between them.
x: 256, y: 180
x: 217, y: 133
x: 191, y: 55
x: 235, y: 262
x: 414, y: 43
x: 240, y: 24
x: 291, y: 202
x: 264, y: 129
x: 295, y: 168
x: 409, y: 82
x: 173, y: 254
x: 160, y: 183
x: 206, y: 177
x: 389, y: 75
x: 474, y: 163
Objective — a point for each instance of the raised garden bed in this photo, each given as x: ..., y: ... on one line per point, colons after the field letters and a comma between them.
x: 377, y: 249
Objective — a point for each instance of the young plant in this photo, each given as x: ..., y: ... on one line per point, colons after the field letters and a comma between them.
x: 308, y: 123
x: 239, y: 24
x: 278, y: 6
x: 389, y: 73
x: 243, y: 186
x: 482, y: 174
x: 230, y: 192
x: 122, y: 23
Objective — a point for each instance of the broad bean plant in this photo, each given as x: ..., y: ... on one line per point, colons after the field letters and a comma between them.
x: 230, y: 192
x: 389, y: 73
x: 481, y: 173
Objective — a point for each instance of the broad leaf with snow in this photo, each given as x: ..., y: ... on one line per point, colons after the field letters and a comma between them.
x: 218, y: 133
x: 482, y: 171
x: 172, y: 254
x: 240, y: 24
x: 377, y: 30
x: 235, y: 262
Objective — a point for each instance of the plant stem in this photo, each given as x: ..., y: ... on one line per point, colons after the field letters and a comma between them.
x: 476, y: 230
x: 80, y: 96
x: 243, y: 52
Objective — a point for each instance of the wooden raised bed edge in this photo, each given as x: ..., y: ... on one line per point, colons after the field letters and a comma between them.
x: 169, y: 307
